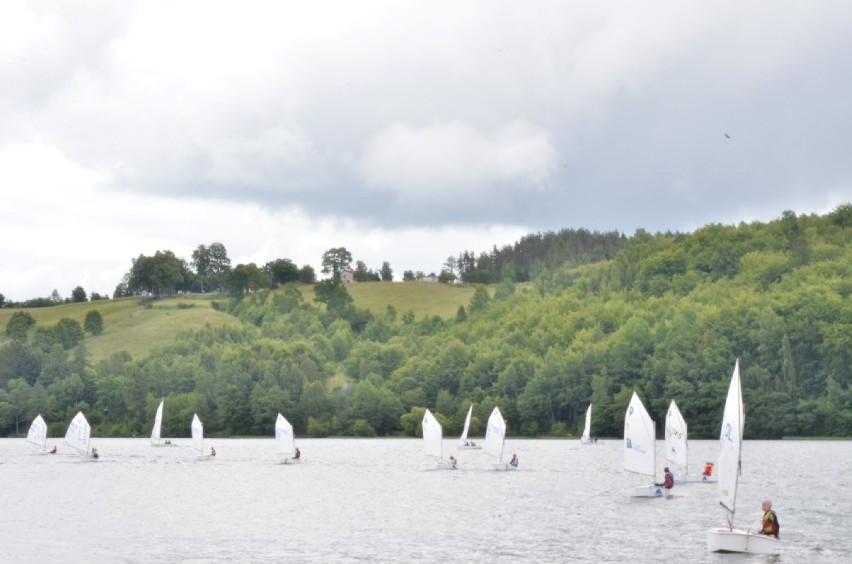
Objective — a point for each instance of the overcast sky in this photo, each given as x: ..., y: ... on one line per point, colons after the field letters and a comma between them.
x: 405, y: 131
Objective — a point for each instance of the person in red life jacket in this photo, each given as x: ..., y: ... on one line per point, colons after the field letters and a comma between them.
x: 668, y: 481
x: 298, y: 454
x: 708, y: 470
x: 770, y: 520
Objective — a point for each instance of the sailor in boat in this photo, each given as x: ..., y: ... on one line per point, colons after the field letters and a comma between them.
x: 298, y: 454
x: 452, y: 461
x: 55, y: 450
x: 95, y: 454
x: 770, y: 520
x: 668, y: 481
x: 708, y: 471
x: 168, y: 442
x: 514, y: 462
x: 212, y: 451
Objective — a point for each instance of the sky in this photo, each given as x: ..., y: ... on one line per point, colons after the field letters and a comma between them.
x: 406, y: 131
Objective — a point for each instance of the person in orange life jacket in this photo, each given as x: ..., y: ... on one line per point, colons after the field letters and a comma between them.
x: 770, y: 520
x: 668, y: 481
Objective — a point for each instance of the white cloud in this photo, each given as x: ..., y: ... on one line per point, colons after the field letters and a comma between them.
x: 416, y: 165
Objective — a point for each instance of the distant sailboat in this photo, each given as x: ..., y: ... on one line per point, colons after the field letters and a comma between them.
x: 586, y: 438
x: 285, y: 442
x: 78, y: 433
x: 495, y: 438
x: 198, y: 439
x: 464, y: 443
x: 37, y: 434
x: 728, y: 539
x: 640, y: 456
x: 158, y: 424
x: 433, y: 438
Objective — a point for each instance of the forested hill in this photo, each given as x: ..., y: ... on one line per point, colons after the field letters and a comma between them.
x: 532, y: 253
x: 666, y: 317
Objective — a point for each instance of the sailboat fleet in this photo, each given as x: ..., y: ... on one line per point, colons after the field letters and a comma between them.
x: 639, y: 453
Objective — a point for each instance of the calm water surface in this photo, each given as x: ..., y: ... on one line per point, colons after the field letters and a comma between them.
x: 357, y: 500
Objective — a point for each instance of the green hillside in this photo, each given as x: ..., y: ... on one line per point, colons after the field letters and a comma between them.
x: 130, y: 324
x: 137, y: 326
x: 666, y: 318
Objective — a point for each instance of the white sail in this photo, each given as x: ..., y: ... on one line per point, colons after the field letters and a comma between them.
x: 433, y: 436
x: 197, y: 435
x: 37, y: 434
x: 463, y: 439
x: 587, y: 430
x: 77, y: 435
x: 285, y: 441
x: 158, y: 423
x: 676, y: 433
x: 495, y: 435
x: 639, y: 439
x: 730, y: 445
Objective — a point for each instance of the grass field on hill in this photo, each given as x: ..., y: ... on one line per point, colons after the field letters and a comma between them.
x: 137, y: 326
x: 424, y: 299
x: 130, y: 324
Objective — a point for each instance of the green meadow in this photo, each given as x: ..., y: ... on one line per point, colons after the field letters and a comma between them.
x: 138, y: 326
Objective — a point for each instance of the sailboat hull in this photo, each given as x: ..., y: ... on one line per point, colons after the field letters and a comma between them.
x: 737, y: 540
x: 651, y: 491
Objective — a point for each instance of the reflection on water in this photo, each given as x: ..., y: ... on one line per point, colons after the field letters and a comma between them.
x: 374, y: 499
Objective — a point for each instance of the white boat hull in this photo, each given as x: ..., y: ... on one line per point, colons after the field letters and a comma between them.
x: 737, y: 540
x: 469, y: 447
x: 291, y: 461
x: 651, y: 491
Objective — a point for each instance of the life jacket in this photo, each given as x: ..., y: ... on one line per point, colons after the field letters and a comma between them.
x: 770, y: 524
x: 668, y: 483
x: 708, y: 469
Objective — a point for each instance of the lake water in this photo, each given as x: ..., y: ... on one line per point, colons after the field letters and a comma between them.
x: 357, y: 500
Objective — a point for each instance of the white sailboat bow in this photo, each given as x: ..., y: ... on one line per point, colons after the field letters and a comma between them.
x: 728, y: 539
x: 640, y: 456
x: 464, y: 443
x: 285, y: 441
x: 433, y: 438
x: 78, y: 433
x: 586, y: 438
x: 37, y: 434
x: 495, y: 438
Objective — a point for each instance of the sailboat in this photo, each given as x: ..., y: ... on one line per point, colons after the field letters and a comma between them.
x: 158, y: 424
x: 198, y: 439
x: 433, y: 438
x: 464, y: 443
x: 728, y: 539
x: 78, y: 433
x: 37, y: 434
x: 495, y: 438
x: 640, y: 453
x: 285, y: 442
x: 677, y: 449
x: 586, y: 438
